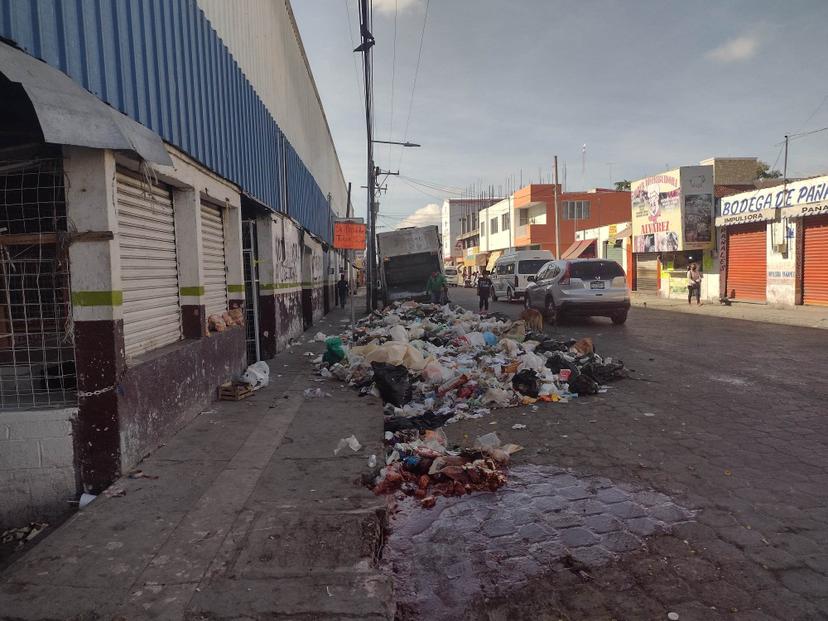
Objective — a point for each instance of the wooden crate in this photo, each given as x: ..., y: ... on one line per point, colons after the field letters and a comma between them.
x: 234, y: 392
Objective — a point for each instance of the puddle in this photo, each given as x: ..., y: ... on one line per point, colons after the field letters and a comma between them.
x: 487, y: 545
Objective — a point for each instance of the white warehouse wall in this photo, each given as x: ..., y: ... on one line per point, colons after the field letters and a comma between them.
x: 264, y: 40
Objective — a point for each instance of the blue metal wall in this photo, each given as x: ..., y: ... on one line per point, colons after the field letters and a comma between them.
x: 161, y: 63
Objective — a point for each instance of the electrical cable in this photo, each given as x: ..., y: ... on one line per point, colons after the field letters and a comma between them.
x: 353, y: 45
x: 393, y: 78
x: 414, y: 84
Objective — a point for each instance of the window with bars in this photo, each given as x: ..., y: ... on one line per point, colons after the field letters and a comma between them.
x: 37, y: 354
x: 576, y: 210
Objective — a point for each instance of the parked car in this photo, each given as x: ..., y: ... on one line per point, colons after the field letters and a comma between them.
x: 582, y: 287
x: 453, y: 277
x: 511, y: 272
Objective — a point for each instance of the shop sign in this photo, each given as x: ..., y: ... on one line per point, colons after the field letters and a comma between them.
x: 799, y: 198
x: 763, y: 215
x: 673, y: 211
x: 808, y: 209
x: 349, y: 234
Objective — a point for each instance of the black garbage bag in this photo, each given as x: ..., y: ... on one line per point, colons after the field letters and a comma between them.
x: 526, y: 383
x: 548, y: 344
x: 535, y: 336
x: 429, y: 420
x: 583, y: 385
x: 392, y: 382
x: 558, y: 361
x: 498, y: 316
x: 604, y: 372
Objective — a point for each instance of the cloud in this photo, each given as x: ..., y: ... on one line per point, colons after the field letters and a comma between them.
x: 736, y: 50
x: 430, y: 214
x: 387, y: 7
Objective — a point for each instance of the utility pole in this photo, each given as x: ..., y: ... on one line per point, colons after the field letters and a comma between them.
x: 557, y: 226
x: 370, y: 260
x: 785, y: 165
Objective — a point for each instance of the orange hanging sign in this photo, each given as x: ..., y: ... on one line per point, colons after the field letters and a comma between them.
x: 349, y: 235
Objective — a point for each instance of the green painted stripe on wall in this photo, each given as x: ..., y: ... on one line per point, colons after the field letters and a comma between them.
x: 235, y: 288
x: 192, y: 291
x: 97, y: 298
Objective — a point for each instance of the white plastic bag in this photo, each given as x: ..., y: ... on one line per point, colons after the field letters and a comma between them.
x: 257, y: 375
x: 399, y: 334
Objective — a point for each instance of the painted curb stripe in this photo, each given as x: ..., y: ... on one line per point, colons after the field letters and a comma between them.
x: 97, y: 298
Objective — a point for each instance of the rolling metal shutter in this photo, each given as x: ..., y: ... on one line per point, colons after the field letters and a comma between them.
x: 646, y: 272
x: 215, y: 271
x: 614, y: 253
x: 815, y: 261
x: 149, y: 269
x: 747, y: 262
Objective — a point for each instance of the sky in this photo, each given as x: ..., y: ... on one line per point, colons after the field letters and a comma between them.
x: 503, y: 86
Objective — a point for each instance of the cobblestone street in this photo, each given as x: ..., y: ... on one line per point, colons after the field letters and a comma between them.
x: 698, y: 487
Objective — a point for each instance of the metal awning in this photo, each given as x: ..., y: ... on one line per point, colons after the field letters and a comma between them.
x: 622, y: 233
x: 493, y: 257
x: 69, y: 114
x: 577, y: 249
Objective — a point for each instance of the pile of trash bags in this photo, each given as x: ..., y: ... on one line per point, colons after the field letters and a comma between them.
x: 433, y: 365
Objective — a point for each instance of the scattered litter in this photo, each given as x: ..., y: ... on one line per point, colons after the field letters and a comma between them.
x: 114, y: 491
x: 649, y: 414
x: 257, y: 375
x: 23, y: 534
x: 327, y: 588
x: 320, y: 337
x: 140, y: 474
x: 518, y: 426
x: 372, y: 461
x: 85, y: 499
x: 314, y: 393
x: 673, y: 616
x: 351, y: 442
x: 434, y: 365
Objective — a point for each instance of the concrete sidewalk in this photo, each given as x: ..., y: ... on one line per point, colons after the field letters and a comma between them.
x: 251, y: 516
x: 802, y: 316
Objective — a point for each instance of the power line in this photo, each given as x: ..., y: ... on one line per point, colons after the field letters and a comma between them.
x: 393, y: 77
x: 453, y: 189
x: 353, y: 45
x: 433, y: 186
x: 414, y: 84
x: 803, y: 134
x: 414, y: 187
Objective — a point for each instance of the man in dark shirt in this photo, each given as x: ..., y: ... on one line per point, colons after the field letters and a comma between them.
x: 342, y: 291
x: 484, y: 290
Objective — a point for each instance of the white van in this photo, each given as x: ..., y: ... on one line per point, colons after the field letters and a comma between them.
x: 510, y: 273
x: 453, y: 277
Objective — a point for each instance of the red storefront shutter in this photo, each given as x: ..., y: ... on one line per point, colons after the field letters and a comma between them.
x: 747, y: 262
x: 815, y: 261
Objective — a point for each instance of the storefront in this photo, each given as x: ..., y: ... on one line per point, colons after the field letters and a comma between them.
x: 672, y: 227
x: 815, y: 261
x: 774, y: 244
x: 647, y: 272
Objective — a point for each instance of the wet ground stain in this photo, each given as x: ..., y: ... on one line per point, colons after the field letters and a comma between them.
x: 447, y: 560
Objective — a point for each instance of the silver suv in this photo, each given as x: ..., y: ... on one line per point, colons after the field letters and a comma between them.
x: 584, y: 287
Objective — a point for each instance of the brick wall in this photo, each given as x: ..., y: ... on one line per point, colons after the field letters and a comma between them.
x: 37, y: 475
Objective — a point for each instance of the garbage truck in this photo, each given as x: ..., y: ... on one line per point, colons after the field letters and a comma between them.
x: 407, y: 257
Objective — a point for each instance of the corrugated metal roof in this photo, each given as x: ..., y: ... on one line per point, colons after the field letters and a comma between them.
x: 161, y: 63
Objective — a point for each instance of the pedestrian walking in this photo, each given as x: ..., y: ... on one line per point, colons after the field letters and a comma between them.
x: 484, y: 290
x: 694, y: 280
x: 342, y: 291
x: 436, y: 287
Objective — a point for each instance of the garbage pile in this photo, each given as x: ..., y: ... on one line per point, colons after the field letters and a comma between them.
x: 433, y: 365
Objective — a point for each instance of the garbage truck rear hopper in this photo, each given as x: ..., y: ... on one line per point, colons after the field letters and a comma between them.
x: 407, y: 258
